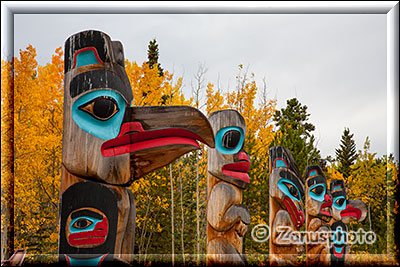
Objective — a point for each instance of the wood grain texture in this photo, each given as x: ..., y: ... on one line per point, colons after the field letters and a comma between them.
x: 83, y: 163
x: 281, y: 220
x: 191, y: 121
x: 227, y: 218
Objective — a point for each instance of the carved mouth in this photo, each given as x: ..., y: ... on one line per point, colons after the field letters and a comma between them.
x: 297, y: 215
x: 338, y: 251
x: 133, y: 138
x: 351, y: 211
x: 325, y: 209
x: 238, y: 169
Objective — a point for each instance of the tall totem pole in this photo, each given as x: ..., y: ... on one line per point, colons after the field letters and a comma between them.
x: 318, y: 214
x: 228, y: 164
x: 286, y: 191
x: 107, y: 144
x: 343, y: 211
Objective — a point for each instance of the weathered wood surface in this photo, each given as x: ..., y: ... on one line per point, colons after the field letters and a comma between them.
x: 318, y: 214
x: 227, y: 218
x: 168, y: 122
x: 286, y: 190
x: 107, y: 145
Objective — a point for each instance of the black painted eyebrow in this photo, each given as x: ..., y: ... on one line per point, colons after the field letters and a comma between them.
x: 316, y: 180
x: 294, y: 179
x: 97, y: 79
x: 88, y: 213
x: 338, y: 194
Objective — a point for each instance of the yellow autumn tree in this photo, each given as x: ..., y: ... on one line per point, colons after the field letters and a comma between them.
x: 38, y: 100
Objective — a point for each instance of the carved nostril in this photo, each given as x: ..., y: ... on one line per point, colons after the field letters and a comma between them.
x: 328, y: 198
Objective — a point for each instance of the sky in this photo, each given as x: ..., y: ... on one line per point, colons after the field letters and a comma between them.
x: 335, y: 64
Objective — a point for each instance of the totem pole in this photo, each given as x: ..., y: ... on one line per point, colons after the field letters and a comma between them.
x: 228, y: 164
x: 286, y: 190
x: 318, y: 214
x: 343, y: 211
x: 106, y: 146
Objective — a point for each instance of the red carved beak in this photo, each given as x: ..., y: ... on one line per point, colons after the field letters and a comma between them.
x: 133, y: 137
x: 351, y: 211
x: 239, y: 169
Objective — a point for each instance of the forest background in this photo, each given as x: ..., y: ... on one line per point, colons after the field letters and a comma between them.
x: 32, y: 148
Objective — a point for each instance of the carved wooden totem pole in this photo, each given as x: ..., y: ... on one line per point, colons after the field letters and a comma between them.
x: 106, y: 146
x: 343, y: 212
x: 286, y: 190
x: 228, y: 164
x: 318, y: 214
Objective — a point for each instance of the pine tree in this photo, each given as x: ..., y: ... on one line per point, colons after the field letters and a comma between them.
x: 346, y: 154
x: 152, y: 55
x: 295, y: 134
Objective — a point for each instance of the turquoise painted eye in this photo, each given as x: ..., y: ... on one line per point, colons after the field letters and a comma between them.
x: 101, y: 108
x: 100, y: 113
x: 82, y: 224
x: 229, y: 140
x: 317, y: 192
x: 339, y: 203
x: 289, y: 189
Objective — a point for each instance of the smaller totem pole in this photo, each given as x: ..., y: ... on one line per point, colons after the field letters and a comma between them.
x: 286, y: 190
x: 228, y: 164
x: 343, y: 211
x: 318, y: 215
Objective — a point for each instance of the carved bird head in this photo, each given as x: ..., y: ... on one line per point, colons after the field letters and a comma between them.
x: 104, y: 137
x: 286, y: 186
x: 228, y: 161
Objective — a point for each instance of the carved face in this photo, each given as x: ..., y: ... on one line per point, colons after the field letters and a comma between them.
x: 286, y: 187
x: 103, y: 136
x: 89, y: 218
x: 343, y: 208
x: 318, y: 200
x: 338, y: 248
x: 228, y: 161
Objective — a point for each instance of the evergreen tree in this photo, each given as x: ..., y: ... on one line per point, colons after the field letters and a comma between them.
x: 295, y: 134
x: 346, y: 154
x: 152, y: 55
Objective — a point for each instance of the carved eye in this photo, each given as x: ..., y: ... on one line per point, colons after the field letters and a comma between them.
x: 292, y: 190
x: 101, y: 108
x: 318, y: 190
x: 82, y: 223
x: 231, y: 139
x: 340, y: 202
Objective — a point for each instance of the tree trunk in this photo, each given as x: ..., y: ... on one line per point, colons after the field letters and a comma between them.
x: 183, y: 220
x: 172, y: 216
x: 197, y: 209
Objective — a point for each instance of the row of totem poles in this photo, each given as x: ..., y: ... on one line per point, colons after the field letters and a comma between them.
x: 107, y: 145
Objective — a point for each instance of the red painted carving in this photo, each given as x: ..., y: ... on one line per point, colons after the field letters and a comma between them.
x: 95, y: 237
